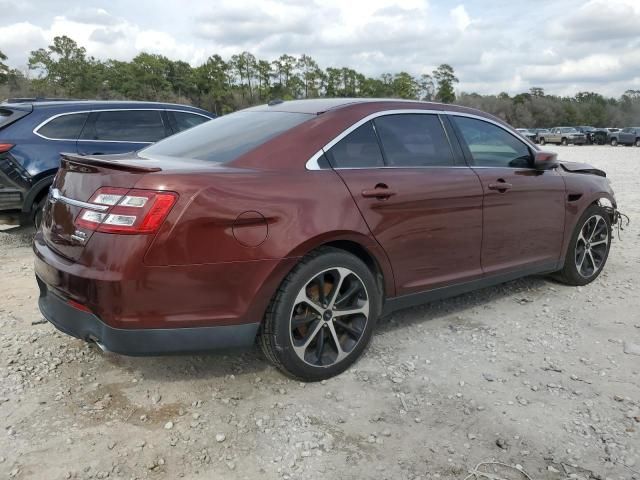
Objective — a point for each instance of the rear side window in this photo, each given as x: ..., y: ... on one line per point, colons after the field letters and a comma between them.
x: 8, y: 116
x: 127, y: 126
x: 185, y: 121
x: 227, y: 137
x: 414, y: 140
x: 64, y: 127
x: 359, y: 149
x: 492, y: 146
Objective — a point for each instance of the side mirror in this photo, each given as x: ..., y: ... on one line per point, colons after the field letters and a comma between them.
x: 545, y: 160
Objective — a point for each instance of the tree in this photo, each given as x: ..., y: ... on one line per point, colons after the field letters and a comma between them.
x: 4, y: 70
x: 64, y: 67
x: 405, y: 86
x: 426, y: 87
x: 445, y: 79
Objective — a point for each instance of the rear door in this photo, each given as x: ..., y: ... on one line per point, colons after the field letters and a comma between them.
x: 422, y: 207
x: 524, y: 208
x: 121, y: 131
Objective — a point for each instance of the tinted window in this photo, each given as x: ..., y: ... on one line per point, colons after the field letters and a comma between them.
x: 492, y: 146
x: 359, y: 149
x: 413, y: 140
x: 185, y: 121
x: 65, y: 127
x: 228, y: 137
x: 128, y: 126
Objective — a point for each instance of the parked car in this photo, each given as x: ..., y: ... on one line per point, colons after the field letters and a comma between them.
x: 629, y: 136
x: 33, y: 134
x: 302, y: 222
x: 612, y: 136
x: 588, y: 131
x: 563, y: 136
x: 600, y: 136
x: 528, y: 133
x: 540, y: 133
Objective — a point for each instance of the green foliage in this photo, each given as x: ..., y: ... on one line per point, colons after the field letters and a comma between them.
x: 4, y: 70
x: 222, y: 86
x: 445, y: 77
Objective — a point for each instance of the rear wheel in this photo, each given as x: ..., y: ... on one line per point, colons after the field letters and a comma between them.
x: 614, y: 142
x: 322, y: 317
x: 588, y: 249
x: 542, y: 141
x: 637, y: 142
x: 564, y: 142
x: 37, y: 212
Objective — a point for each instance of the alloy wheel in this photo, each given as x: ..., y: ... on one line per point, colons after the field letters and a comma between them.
x: 329, y: 317
x: 591, y: 246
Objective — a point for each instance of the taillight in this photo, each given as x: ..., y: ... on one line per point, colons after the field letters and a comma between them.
x: 5, y: 147
x: 130, y: 212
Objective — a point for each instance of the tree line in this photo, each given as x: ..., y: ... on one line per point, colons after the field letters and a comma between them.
x: 64, y: 69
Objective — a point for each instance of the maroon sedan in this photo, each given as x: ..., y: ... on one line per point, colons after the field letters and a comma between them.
x: 301, y: 223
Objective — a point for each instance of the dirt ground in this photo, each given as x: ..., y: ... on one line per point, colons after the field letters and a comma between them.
x: 531, y: 373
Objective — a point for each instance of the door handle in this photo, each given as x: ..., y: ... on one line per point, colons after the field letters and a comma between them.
x: 501, y: 186
x: 379, y: 193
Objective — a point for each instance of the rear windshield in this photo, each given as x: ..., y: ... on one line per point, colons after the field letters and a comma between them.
x: 226, y: 138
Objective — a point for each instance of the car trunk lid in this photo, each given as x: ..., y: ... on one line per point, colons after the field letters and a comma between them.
x: 76, y: 182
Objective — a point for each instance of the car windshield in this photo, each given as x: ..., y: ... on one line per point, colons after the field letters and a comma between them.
x: 227, y: 137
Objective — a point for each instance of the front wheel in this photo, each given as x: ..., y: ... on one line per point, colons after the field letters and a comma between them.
x: 637, y: 142
x: 588, y: 249
x: 564, y: 142
x: 542, y: 141
x: 614, y: 142
x: 322, y: 317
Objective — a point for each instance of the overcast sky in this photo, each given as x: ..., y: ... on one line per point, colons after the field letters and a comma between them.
x: 564, y: 46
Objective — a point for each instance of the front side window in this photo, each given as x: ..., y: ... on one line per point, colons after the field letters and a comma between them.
x: 359, y: 149
x: 64, y: 127
x: 492, y: 146
x: 413, y: 140
x: 137, y: 126
x: 229, y: 137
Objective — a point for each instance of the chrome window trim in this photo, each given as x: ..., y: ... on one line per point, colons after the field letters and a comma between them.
x: 56, y: 196
x: 312, y: 163
x: 42, y: 124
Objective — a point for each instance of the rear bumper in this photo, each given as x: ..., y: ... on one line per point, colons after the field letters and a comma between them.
x: 87, y: 326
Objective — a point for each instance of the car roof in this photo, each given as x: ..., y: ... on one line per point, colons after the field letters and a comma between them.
x: 318, y: 106
x: 72, y: 105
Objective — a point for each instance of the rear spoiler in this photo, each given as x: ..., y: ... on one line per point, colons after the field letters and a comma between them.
x: 575, y: 167
x: 127, y: 164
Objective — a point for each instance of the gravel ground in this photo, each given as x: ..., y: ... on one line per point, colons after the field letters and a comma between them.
x: 531, y: 373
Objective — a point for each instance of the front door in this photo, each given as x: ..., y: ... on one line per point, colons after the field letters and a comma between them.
x: 423, y: 209
x: 524, y: 208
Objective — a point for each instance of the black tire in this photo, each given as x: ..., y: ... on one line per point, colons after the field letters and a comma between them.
x: 276, y: 337
x: 542, y: 141
x: 570, y: 273
x: 38, y: 211
x: 637, y: 142
x: 564, y: 142
x: 614, y: 142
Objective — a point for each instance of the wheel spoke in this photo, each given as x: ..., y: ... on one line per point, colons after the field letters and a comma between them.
x: 595, y: 227
x: 353, y: 289
x: 304, y: 298
x: 302, y: 319
x: 321, y: 295
x: 352, y: 311
x: 593, y: 262
x: 301, y: 349
x: 342, y: 273
x: 320, y: 345
x: 336, y: 340
x: 354, y: 332
x: 599, y: 242
x: 581, y: 238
